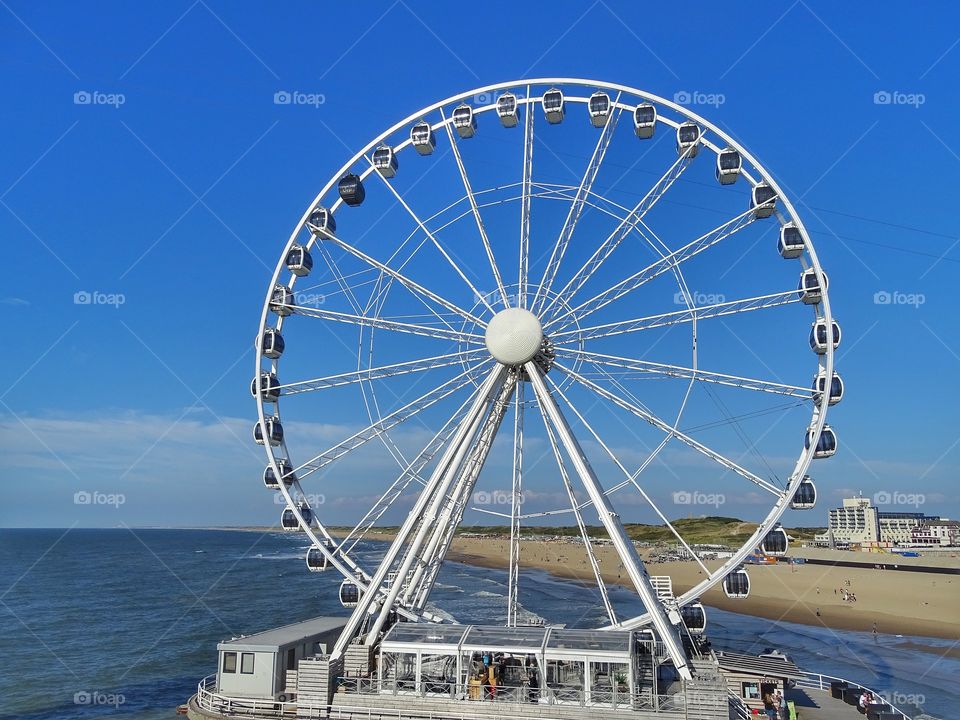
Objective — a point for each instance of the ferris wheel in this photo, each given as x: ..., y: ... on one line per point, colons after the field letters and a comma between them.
x: 508, y: 304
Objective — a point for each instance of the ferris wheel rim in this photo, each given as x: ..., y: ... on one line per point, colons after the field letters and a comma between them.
x: 823, y: 311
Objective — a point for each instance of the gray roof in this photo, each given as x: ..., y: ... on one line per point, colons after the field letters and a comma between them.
x: 771, y: 667
x: 288, y: 634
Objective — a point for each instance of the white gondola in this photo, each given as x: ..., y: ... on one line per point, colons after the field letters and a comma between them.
x: 729, y: 164
x: 554, y: 106
x: 763, y: 200
x: 809, y: 290
x: 826, y: 444
x: 422, y: 138
x: 818, y: 336
x: 322, y: 221
x: 266, y: 387
x: 464, y: 121
x: 688, y: 139
x: 737, y: 584
x: 271, y: 344
x: 273, y: 435
x: 776, y: 542
x: 299, y: 261
x: 819, y: 386
x: 349, y: 593
x: 286, y: 472
x: 644, y: 120
x: 281, y: 300
x: 790, y: 245
x: 599, y: 106
x: 694, y: 618
x: 351, y: 189
x: 385, y: 161
x: 316, y: 560
x: 289, y: 522
x: 507, y: 110
x: 806, y: 495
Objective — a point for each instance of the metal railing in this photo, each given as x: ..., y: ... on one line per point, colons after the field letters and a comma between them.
x: 603, y: 697
x: 209, y: 699
x: 818, y: 681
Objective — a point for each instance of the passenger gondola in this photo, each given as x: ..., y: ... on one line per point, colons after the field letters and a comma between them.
x: 819, y: 386
x: 818, y: 336
x: 422, y: 138
x: 826, y: 444
x: 317, y: 561
x: 808, y: 289
x: 299, y: 261
x: 464, y: 121
x: 688, y: 139
x: 351, y: 189
x: 790, y: 245
x: 281, y: 300
x: 763, y: 200
x: 385, y: 161
x: 507, y: 110
x: 266, y: 387
x: 737, y: 584
x: 349, y: 593
x: 694, y: 618
x: 729, y: 164
x: 776, y: 542
x: 599, y: 106
x: 271, y: 344
x: 286, y: 472
x: 805, y: 496
x: 644, y: 120
x: 322, y: 221
x: 274, y: 433
x: 553, y: 106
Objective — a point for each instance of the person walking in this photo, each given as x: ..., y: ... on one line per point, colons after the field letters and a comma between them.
x: 770, y: 705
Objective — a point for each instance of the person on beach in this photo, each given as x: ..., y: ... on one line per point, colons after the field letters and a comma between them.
x: 770, y: 705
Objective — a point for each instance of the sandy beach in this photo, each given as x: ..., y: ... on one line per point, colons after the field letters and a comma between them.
x: 900, y: 603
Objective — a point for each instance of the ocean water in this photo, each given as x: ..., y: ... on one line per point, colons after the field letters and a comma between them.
x: 120, y: 623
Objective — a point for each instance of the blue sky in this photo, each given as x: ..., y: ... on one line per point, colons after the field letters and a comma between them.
x: 176, y: 185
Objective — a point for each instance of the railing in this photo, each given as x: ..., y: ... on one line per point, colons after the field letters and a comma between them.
x: 603, y: 697
x: 738, y: 707
x: 209, y: 699
x: 817, y: 681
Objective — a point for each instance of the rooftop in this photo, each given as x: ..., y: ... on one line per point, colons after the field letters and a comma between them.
x: 289, y: 634
x: 525, y: 639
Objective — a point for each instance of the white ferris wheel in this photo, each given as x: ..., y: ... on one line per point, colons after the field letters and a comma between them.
x: 506, y: 287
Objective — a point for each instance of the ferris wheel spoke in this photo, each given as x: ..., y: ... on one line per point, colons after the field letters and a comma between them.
x: 414, y: 287
x: 476, y: 212
x: 436, y: 243
x: 630, y: 477
x: 677, y: 371
x: 576, y: 209
x: 515, y: 500
x: 679, y: 316
x: 651, y: 271
x: 376, y: 429
x: 575, y: 508
x: 409, y: 474
x: 387, y: 324
x: 526, y: 183
x: 385, y: 371
x: 672, y: 431
x: 611, y: 521
x: 626, y: 226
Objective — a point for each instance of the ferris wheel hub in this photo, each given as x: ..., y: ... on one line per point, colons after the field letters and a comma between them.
x: 514, y: 336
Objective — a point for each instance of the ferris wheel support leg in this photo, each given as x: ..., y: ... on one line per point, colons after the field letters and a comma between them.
x: 611, y: 522
x: 454, y: 506
x: 516, y: 498
x: 452, y: 454
x: 433, y: 517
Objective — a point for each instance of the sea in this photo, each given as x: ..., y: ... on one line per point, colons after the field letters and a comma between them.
x: 124, y: 623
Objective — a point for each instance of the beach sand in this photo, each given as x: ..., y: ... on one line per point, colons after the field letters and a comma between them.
x: 900, y: 603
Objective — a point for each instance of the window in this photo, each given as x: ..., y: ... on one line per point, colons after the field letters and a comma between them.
x: 246, y: 663
x: 292, y: 659
x: 229, y: 662
x: 750, y: 690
